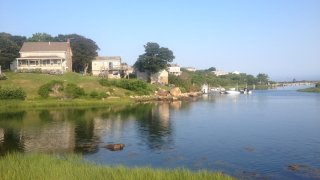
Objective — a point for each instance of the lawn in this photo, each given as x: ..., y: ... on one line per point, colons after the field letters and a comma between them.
x: 40, y: 166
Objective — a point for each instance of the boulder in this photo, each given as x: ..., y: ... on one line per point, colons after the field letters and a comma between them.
x: 162, y: 93
x: 175, y: 92
x: 115, y: 147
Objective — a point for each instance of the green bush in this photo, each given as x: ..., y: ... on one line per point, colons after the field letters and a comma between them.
x: 129, y: 84
x: 318, y: 85
x: 73, y: 91
x: 12, y: 93
x: 49, y: 87
x: 103, y: 95
x: 94, y: 94
x: 3, y: 77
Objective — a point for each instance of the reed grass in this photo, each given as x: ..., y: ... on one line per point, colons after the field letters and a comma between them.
x: 41, y: 166
x: 312, y: 90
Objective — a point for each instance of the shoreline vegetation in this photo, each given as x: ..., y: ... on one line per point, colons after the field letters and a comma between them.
x: 42, y: 166
x: 310, y: 90
x: 315, y: 89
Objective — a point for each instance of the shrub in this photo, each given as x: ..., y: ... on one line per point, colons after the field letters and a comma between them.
x: 132, y: 85
x: 318, y: 85
x: 94, y: 94
x: 3, y: 77
x: 50, y: 87
x: 103, y: 95
x: 73, y: 91
x: 12, y: 93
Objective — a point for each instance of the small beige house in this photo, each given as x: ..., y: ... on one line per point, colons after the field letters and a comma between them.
x: 160, y: 77
x: 45, y: 57
x: 109, y: 66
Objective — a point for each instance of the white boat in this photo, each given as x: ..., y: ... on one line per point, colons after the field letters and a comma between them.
x: 232, y: 92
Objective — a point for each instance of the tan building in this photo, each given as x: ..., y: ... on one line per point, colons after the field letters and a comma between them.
x: 45, y: 57
x: 109, y: 66
x: 160, y: 77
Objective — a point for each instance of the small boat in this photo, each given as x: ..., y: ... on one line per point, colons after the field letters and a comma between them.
x: 233, y: 92
x: 246, y: 91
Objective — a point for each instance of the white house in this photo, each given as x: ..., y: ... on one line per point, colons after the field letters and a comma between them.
x: 174, y: 69
x: 192, y: 69
x: 220, y: 72
x: 44, y: 57
x: 109, y: 66
x: 235, y: 72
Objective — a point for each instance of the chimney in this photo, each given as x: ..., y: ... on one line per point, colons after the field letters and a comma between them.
x: 68, y: 40
x: 49, y: 42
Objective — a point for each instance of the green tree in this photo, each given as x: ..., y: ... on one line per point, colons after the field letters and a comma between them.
x: 8, y: 52
x: 9, y: 48
x: 40, y: 37
x: 154, y: 59
x: 212, y: 69
x: 262, y: 78
x: 84, y: 50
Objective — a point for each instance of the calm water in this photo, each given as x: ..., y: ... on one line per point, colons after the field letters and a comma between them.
x: 248, y: 136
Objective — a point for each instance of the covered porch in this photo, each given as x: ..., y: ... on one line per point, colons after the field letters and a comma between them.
x: 43, y: 63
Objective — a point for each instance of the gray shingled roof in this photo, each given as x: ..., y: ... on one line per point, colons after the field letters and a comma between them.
x: 44, y: 46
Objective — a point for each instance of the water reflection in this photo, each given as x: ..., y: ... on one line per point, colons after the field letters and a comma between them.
x: 84, y: 130
x: 155, y: 128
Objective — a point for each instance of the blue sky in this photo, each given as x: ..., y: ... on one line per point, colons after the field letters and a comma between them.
x: 277, y: 37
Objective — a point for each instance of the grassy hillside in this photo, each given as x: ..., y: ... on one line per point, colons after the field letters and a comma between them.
x: 37, y: 166
x: 30, y: 82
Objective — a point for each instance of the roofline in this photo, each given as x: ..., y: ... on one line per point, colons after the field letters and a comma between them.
x: 42, y: 51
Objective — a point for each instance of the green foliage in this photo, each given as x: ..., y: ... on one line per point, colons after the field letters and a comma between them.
x: 48, y: 88
x: 3, y: 76
x: 129, y: 84
x: 12, y: 93
x: 318, y: 85
x: 40, y: 37
x: 154, y: 59
x: 84, y: 50
x: 94, y: 94
x: 73, y: 91
x: 192, y: 81
x: 9, y: 51
x: 211, y: 69
x: 263, y: 78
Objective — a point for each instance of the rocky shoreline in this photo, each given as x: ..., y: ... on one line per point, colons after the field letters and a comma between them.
x: 174, y: 94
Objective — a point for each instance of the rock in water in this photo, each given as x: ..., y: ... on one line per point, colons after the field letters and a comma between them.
x: 115, y: 147
x: 175, y: 92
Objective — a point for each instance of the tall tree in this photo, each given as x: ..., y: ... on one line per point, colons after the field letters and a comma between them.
x: 262, y: 78
x: 154, y: 59
x: 40, y: 37
x: 9, y: 48
x: 84, y: 50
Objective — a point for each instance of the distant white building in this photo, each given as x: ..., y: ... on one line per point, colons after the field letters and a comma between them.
x: 174, y: 69
x: 235, y: 72
x: 109, y: 66
x: 220, y: 72
x: 192, y: 69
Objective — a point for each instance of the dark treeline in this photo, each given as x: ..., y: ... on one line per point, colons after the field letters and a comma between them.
x: 84, y: 49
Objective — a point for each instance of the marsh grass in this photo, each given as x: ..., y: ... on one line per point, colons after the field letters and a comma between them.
x: 14, y: 105
x: 41, y: 166
x: 312, y: 90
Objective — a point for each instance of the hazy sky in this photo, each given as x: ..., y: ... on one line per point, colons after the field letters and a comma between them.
x: 277, y: 37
